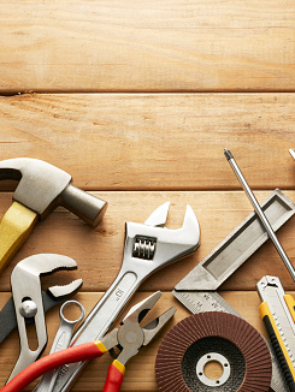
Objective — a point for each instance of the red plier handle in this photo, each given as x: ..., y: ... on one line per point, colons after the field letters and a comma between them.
x: 83, y: 352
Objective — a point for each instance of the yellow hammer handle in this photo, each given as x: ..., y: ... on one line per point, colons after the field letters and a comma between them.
x: 15, y: 227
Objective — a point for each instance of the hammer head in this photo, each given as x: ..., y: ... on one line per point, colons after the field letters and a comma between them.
x: 42, y: 187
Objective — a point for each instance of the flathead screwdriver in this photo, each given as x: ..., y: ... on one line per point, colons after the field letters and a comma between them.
x: 259, y: 212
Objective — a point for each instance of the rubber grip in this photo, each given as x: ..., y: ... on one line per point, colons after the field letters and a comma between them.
x: 114, y: 378
x: 82, y: 352
x: 15, y: 227
x: 279, y: 354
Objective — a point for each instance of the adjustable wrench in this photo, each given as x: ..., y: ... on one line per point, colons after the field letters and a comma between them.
x: 148, y: 247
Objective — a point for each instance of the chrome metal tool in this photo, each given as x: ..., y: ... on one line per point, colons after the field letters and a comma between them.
x: 42, y: 187
x: 61, y: 341
x: 128, y: 340
x: 260, y: 213
x: 196, y: 291
x: 50, y: 298
x: 28, y: 303
x: 148, y: 247
x: 292, y: 153
x: 278, y: 313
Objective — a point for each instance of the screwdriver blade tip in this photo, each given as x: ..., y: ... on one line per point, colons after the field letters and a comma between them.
x: 228, y: 154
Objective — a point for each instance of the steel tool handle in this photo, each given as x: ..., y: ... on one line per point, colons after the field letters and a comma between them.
x: 115, y: 377
x: 15, y: 227
x: 260, y: 213
x: 46, y: 364
x: 105, y: 312
x: 99, y: 320
x: 278, y: 345
x: 89, y: 208
x: 61, y: 341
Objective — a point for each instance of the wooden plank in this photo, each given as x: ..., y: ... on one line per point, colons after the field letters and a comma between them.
x: 151, y: 46
x: 140, y: 370
x: 154, y: 142
x: 99, y: 252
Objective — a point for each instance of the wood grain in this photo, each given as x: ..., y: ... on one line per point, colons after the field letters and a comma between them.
x: 140, y: 370
x: 154, y: 142
x: 99, y: 252
x: 147, y: 46
x: 193, y: 68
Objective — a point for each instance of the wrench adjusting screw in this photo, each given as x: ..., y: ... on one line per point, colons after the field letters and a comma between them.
x: 144, y: 247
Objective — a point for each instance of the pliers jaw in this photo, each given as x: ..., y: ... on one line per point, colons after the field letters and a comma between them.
x: 131, y: 336
x: 66, y: 291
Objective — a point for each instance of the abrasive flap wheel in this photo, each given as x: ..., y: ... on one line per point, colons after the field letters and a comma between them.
x: 213, y: 336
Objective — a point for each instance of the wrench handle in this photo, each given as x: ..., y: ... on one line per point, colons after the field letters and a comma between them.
x: 99, y: 320
x: 15, y: 227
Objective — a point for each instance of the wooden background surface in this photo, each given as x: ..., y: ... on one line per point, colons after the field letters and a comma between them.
x: 137, y: 100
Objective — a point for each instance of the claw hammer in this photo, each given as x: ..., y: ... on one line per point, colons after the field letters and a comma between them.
x: 42, y: 187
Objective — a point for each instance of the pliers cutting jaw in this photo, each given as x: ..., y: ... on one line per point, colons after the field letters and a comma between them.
x: 130, y: 337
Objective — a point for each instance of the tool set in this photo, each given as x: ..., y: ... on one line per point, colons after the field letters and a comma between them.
x: 129, y: 339
x: 260, y: 213
x: 196, y: 291
x: 215, y: 331
x: 148, y: 247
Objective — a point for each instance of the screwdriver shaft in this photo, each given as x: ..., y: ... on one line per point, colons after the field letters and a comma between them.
x: 260, y: 213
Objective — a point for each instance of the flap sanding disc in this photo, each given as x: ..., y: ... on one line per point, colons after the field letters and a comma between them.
x: 213, y: 336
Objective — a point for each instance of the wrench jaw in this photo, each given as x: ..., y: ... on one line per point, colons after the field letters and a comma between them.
x: 152, y: 247
x: 159, y: 216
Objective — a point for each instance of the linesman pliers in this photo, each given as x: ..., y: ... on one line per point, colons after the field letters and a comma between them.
x: 128, y: 338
